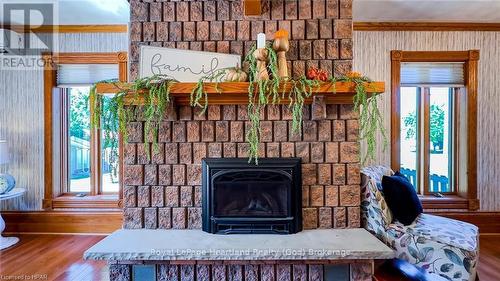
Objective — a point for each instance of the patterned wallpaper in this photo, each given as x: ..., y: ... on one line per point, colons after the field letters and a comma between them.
x: 21, y: 115
x: 372, y: 57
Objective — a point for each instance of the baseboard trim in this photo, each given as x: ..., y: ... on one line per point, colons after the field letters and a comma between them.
x: 488, y: 222
x: 63, y: 222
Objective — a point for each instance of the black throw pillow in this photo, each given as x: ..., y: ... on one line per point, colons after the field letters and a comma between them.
x: 401, y: 198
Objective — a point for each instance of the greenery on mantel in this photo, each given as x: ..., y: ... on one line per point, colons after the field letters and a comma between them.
x: 112, y: 115
x: 370, y: 119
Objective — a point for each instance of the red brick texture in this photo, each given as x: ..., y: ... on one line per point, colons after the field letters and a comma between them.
x: 320, y: 30
x: 164, y: 191
x: 170, y: 196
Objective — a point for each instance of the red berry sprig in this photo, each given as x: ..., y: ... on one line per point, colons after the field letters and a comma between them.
x: 314, y: 73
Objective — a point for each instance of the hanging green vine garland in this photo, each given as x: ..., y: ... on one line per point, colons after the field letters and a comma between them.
x: 370, y: 119
x: 110, y: 111
x: 112, y: 114
x: 264, y: 92
x: 259, y: 97
x: 155, y: 103
x: 301, y: 89
x: 199, y: 94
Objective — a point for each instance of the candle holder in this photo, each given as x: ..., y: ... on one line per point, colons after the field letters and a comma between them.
x: 281, y: 45
x: 261, y: 55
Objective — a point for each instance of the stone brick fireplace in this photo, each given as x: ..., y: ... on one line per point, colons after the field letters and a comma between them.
x: 164, y: 191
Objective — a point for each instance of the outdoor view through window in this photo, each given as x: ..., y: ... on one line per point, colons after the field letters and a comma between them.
x: 427, y: 114
x: 81, y: 155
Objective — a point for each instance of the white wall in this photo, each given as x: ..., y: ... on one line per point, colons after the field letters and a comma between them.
x: 372, y: 58
x: 21, y: 115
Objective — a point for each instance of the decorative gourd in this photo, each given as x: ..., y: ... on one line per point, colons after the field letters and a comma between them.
x: 235, y: 75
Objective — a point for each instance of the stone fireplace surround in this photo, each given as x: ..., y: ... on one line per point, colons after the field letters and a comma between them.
x: 189, y: 255
x: 164, y: 190
x: 162, y: 194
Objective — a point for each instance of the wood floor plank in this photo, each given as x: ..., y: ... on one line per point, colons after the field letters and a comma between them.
x: 489, y: 258
x: 57, y: 256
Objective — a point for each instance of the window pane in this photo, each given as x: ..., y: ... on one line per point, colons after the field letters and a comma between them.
x: 440, y: 140
x: 109, y: 152
x: 79, y: 140
x: 409, y: 133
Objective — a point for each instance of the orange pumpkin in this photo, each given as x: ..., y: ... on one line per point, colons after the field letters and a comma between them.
x: 281, y: 34
x: 353, y: 74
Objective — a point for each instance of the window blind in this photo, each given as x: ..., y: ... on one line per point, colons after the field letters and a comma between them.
x: 85, y: 74
x: 432, y: 73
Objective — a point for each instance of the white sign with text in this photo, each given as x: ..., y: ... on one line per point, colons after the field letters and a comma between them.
x: 182, y: 65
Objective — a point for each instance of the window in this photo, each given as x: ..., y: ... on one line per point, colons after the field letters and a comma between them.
x: 78, y: 139
x: 428, y: 118
x: 433, y: 125
x: 109, y: 157
x: 83, y: 170
x: 85, y: 175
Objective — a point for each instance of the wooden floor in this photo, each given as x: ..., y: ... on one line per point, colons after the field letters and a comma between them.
x: 52, y: 257
x: 489, y: 258
x: 59, y: 257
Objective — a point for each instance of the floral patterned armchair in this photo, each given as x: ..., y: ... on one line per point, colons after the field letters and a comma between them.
x: 439, y: 245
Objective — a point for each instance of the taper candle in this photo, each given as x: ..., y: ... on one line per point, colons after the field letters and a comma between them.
x: 261, y: 41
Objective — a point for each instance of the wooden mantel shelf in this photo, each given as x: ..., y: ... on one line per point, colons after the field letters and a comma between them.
x: 237, y: 92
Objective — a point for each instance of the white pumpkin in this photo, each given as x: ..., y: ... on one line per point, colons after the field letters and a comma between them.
x: 235, y: 75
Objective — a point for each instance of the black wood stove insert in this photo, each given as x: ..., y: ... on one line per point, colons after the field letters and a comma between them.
x: 241, y: 197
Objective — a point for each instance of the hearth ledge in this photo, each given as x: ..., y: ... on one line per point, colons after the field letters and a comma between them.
x: 196, y: 245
